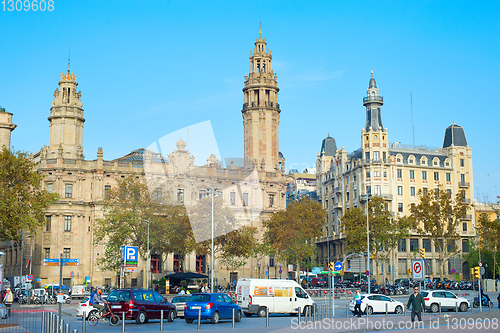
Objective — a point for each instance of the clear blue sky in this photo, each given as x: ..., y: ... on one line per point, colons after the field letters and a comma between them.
x: 149, y: 68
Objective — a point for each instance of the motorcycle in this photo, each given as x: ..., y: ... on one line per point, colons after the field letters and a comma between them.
x: 484, y: 303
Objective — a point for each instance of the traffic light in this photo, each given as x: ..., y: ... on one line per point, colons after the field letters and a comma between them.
x: 471, y: 271
x: 409, y: 271
x: 422, y: 253
x: 477, y: 272
x: 332, y: 266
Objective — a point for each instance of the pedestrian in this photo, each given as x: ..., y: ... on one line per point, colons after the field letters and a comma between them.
x: 357, y: 307
x: 417, y: 303
x: 8, y: 299
x: 498, y: 299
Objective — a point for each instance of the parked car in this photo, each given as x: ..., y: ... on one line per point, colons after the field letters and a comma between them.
x: 403, y: 282
x: 213, y: 307
x: 318, y: 282
x: 373, y: 303
x: 3, y: 311
x: 140, y: 305
x: 180, y: 302
x: 447, y: 299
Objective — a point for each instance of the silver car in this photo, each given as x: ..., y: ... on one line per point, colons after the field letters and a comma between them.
x: 180, y: 302
x: 3, y: 312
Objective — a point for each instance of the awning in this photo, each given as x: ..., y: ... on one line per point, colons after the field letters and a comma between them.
x: 185, y: 276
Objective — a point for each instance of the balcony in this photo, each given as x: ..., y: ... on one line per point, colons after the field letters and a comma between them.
x: 373, y: 98
x: 465, y: 201
x: 256, y: 105
x: 467, y: 217
x: 464, y: 184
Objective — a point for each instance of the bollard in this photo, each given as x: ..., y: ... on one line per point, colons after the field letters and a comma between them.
x: 267, y: 317
x: 199, y: 318
x: 47, y: 321
x: 367, y: 313
x: 347, y: 310
x: 233, y: 318
x: 61, y: 326
x: 299, y: 313
x: 306, y: 315
x: 123, y: 321
x: 67, y: 328
x: 84, y: 318
x: 456, y: 308
x: 404, y: 309
x: 43, y: 322
x: 75, y: 331
x: 161, y: 320
x: 439, y: 308
x: 472, y: 308
x: 52, y: 323
x: 386, y: 309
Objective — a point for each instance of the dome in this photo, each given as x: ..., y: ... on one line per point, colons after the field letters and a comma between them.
x: 372, y: 83
x: 280, y: 155
x: 329, y: 146
x: 454, y: 135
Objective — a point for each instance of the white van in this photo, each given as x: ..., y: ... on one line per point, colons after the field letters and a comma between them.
x: 78, y: 291
x: 279, y: 296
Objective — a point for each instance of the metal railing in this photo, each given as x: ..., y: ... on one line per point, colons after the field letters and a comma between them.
x: 373, y: 98
x: 464, y: 184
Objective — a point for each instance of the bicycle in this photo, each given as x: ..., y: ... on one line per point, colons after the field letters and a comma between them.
x: 95, y: 316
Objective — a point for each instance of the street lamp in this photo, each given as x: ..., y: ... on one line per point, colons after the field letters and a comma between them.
x: 148, y: 264
x: 479, y: 286
x: 258, y: 264
x: 367, y: 199
x: 212, y: 244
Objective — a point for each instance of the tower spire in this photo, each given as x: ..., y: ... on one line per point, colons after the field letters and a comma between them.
x: 69, y: 58
x: 260, y: 29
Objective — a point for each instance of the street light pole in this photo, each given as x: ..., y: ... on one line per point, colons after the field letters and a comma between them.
x: 479, y: 286
x: 148, y: 264
x: 212, y: 247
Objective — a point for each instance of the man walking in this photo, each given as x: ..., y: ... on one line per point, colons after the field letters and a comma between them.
x: 417, y: 303
x: 357, y: 307
x: 8, y: 300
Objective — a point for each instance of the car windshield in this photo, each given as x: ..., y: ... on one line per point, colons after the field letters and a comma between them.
x: 200, y: 298
x: 180, y: 299
x: 85, y: 300
x: 424, y: 293
x: 119, y: 296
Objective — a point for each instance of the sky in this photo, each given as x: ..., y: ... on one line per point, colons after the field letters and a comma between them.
x: 150, y: 68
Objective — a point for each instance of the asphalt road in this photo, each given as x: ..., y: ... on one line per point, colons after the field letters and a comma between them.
x: 287, y: 323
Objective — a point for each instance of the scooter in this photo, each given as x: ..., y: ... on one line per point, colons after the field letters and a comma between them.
x: 484, y: 303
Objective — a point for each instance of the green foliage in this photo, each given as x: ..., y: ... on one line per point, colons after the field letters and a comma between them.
x: 22, y: 201
x: 2, y: 109
x: 127, y: 210
x: 183, y: 283
x: 438, y: 216
x: 489, y: 235
x: 290, y: 233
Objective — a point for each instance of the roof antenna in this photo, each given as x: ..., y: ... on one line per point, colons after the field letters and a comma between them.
x: 69, y: 58
x: 260, y: 28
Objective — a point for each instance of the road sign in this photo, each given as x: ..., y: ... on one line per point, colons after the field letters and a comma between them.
x: 281, y: 271
x: 29, y: 277
x: 418, y: 269
x: 132, y: 254
x: 367, y: 273
x: 453, y: 270
x: 482, y: 270
x: 72, y: 274
x: 338, y: 266
x: 480, y: 264
x: 267, y: 272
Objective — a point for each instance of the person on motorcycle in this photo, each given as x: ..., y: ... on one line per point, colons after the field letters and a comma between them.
x: 485, y: 299
x: 98, y: 301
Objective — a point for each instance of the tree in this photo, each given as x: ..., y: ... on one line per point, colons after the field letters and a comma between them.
x: 22, y: 201
x: 2, y: 109
x: 128, y: 209
x: 385, y: 230
x: 437, y: 216
x: 489, y: 235
x: 233, y: 243
x: 290, y: 233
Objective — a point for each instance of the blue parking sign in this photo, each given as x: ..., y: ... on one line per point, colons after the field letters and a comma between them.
x: 132, y: 253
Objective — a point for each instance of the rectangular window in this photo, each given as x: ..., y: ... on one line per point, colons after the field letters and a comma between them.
x: 376, y: 173
x: 448, y: 192
x: 436, y: 175
x: 462, y: 162
x: 232, y: 198
x: 426, y: 244
x: 384, y: 155
x: 368, y: 174
x: 424, y: 175
x: 48, y: 220
x: 46, y: 252
x: 464, y: 226
x: 439, y: 246
x: 271, y: 261
x: 462, y: 178
x: 412, y: 174
x: 107, y: 188
x: 157, y: 194
x: 377, y: 190
x: 400, y: 190
x: 385, y: 174
x: 202, y: 194
x: 180, y: 195
x: 133, y: 282
x: 402, y: 245
x: 424, y: 191
x: 347, y: 196
x: 368, y: 190
x: 376, y: 156
x: 448, y: 177
x: 271, y: 200
x: 50, y: 187
x: 245, y: 199
x: 67, y: 222
x: 399, y: 173
x: 400, y: 207
x: 367, y: 155
x: 66, y: 253
x: 413, y: 244
x: 68, y: 190
x: 412, y: 191
x: 465, y: 245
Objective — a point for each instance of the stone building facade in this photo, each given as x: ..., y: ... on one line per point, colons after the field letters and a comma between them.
x: 395, y: 172
x: 253, y: 189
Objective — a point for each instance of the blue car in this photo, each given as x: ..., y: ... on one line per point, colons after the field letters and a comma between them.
x: 213, y: 307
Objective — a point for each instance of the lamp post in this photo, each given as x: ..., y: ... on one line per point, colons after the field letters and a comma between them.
x: 367, y: 199
x: 212, y: 246
x: 258, y: 265
x: 148, y: 264
x: 268, y: 272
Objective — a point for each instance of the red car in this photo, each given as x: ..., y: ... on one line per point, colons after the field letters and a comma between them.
x: 318, y: 282
x: 140, y: 305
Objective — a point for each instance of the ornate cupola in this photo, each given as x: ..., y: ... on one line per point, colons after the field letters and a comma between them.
x: 66, y: 120
x: 261, y: 111
x: 373, y: 102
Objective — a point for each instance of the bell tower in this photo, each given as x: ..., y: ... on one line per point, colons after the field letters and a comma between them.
x: 261, y: 111
x: 6, y: 128
x: 66, y: 120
